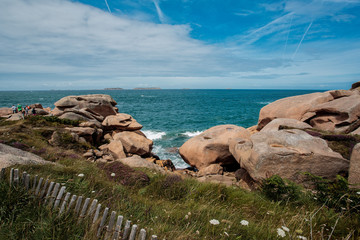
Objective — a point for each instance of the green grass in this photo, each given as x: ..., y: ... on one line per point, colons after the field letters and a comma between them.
x: 171, y: 207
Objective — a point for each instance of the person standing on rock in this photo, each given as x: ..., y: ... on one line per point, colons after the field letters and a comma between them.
x: 19, y: 108
x: 26, y: 110
x: 33, y: 111
x: 13, y: 109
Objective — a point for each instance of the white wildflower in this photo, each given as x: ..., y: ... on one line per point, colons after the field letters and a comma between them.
x: 189, y: 213
x: 214, y: 222
x: 285, y: 229
x: 92, y: 191
x: 197, y: 232
x: 302, y: 237
x: 358, y: 193
x: 112, y: 174
x: 281, y: 232
x: 244, y: 222
x: 81, y: 175
x: 186, y: 216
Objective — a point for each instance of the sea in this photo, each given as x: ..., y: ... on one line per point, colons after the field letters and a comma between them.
x: 171, y: 117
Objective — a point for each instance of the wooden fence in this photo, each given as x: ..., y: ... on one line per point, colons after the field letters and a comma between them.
x: 55, y: 196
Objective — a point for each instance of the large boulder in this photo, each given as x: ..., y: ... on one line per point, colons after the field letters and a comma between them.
x: 121, y: 121
x: 279, y: 123
x: 212, y: 146
x: 138, y: 162
x: 85, y: 107
x: 134, y: 142
x: 115, y: 148
x: 336, y: 111
x: 5, y: 111
x: 287, y: 153
x: 354, y: 170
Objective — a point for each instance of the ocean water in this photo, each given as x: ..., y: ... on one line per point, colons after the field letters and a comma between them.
x: 171, y: 117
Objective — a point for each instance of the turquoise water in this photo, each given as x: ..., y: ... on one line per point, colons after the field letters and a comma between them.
x: 170, y: 117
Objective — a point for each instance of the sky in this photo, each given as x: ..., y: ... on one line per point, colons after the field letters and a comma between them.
x: 174, y: 44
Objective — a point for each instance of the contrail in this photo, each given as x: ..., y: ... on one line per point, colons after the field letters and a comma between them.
x: 302, y: 39
x: 159, y: 12
x: 287, y: 38
x: 107, y: 6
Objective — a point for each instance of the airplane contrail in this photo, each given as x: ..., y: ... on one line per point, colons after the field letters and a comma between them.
x: 287, y: 38
x: 297, y: 49
x: 107, y: 6
x: 161, y: 15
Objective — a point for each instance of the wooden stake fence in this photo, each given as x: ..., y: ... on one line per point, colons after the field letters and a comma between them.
x: 59, y: 200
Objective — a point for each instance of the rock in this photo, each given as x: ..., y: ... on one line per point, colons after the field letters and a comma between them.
x: 355, y: 86
x: 166, y: 164
x: 100, y: 104
x: 108, y: 158
x: 89, y: 153
x: 134, y: 143
x: 288, y: 153
x: 336, y: 111
x: 92, y: 124
x: 220, y: 179
x: 98, y: 153
x: 252, y: 129
x: 108, y: 137
x: 85, y: 133
x: 11, y: 156
x: 55, y: 139
x: 337, y: 115
x: 212, y: 169
x: 48, y: 109
x: 212, y: 146
x: 138, y: 162
x: 57, y: 112
x: 15, y: 117
x: 354, y: 169
x: 73, y: 117
x: 357, y: 131
x: 278, y: 123
x: 36, y: 105
x: 121, y: 121
x: 5, y: 111
x: 40, y: 111
x: 115, y: 148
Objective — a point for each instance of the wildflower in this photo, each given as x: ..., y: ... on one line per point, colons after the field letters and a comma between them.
x: 214, y: 222
x: 302, y: 237
x: 186, y: 216
x: 81, y: 175
x: 92, y: 191
x: 244, y: 222
x: 112, y: 174
x: 285, y: 228
x: 197, y: 232
x: 280, y: 232
x: 189, y: 213
x: 358, y: 193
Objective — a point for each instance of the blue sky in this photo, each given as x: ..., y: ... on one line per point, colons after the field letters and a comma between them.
x: 95, y: 44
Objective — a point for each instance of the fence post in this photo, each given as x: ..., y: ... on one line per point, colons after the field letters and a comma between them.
x: 72, y: 201
x: 43, y: 191
x: 102, y: 223
x: 16, y: 177
x: 54, y: 193
x: 118, y: 227
x: 27, y: 181
x: 142, y: 235
x: 97, y: 212
x: 110, y: 226
x: 59, y: 196
x: 78, y: 205
x: 34, y: 183
x: 38, y: 186
x: 49, y: 191
x: 83, y: 210
x: 133, y: 232
x: 63, y: 205
x: 92, y: 208
x: 2, y: 174
x: 11, y: 176
x: 23, y: 178
x: 126, y: 230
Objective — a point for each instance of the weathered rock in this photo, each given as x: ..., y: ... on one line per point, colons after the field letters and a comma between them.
x: 166, y: 164
x: 288, y: 153
x: 98, y: 153
x: 134, y: 143
x: 355, y: 86
x: 89, y: 153
x: 48, y: 110
x: 15, y: 117
x: 92, y: 124
x: 357, y: 131
x: 10, y: 156
x: 108, y: 137
x: 82, y: 131
x: 57, y: 112
x: 115, y: 148
x: 212, y: 169
x: 212, y: 146
x: 108, y: 158
x: 36, y: 105
x: 278, y: 123
x: 138, y: 162
x: 73, y: 116
x: 354, y: 170
x: 252, y: 129
x: 5, y: 111
x: 99, y: 103
x: 40, y: 111
x: 121, y: 121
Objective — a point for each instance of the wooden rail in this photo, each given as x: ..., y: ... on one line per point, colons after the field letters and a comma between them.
x: 63, y: 202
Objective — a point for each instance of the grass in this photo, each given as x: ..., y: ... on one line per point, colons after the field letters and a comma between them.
x: 171, y: 206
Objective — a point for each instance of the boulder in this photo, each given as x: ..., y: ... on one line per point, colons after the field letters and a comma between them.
x: 82, y: 131
x: 121, y: 121
x: 279, y: 123
x: 36, y: 105
x: 115, y: 148
x: 138, y: 162
x: 5, y: 111
x: 134, y: 143
x: 15, y: 117
x: 40, y: 111
x: 92, y: 124
x: 101, y: 104
x: 73, y: 116
x: 357, y: 132
x: 354, y: 169
x: 355, y: 86
x: 212, y: 169
x: 212, y: 146
x: 287, y: 153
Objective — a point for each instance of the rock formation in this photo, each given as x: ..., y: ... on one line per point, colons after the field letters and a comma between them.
x: 354, y: 170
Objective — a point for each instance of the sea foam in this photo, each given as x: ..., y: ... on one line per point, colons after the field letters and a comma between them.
x: 192, y: 134
x: 154, y: 135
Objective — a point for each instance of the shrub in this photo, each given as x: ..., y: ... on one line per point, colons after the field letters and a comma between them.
x: 277, y: 189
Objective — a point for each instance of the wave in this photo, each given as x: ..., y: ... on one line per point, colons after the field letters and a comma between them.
x: 264, y: 103
x: 154, y: 135
x: 164, y: 154
x: 192, y: 134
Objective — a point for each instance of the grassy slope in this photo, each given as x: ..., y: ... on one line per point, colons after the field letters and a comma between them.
x: 167, y: 206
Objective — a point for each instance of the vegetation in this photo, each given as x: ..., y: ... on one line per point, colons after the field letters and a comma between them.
x: 172, y: 206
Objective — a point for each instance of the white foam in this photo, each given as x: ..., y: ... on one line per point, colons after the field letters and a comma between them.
x: 192, y: 134
x: 264, y: 103
x: 154, y: 135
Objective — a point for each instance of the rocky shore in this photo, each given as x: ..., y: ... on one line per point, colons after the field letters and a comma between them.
x: 315, y: 133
